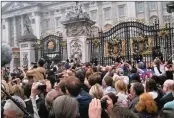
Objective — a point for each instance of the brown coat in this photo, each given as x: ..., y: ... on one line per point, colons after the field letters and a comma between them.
x: 37, y: 73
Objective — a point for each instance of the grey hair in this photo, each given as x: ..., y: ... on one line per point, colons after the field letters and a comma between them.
x: 65, y: 107
x: 10, y: 105
x: 50, y: 97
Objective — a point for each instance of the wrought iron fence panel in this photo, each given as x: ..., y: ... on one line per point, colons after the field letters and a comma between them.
x: 133, y: 37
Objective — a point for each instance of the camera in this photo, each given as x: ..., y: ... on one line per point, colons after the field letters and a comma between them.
x: 41, y: 86
x: 103, y: 104
x: 13, y: 74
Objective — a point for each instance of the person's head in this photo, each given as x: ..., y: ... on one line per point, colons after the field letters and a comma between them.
x: 70, y: 73
x: 166, y: 113
x: 141, y: 65
x: 113, y: 97
x: 65, y: 107
x: 50, y: 97
x: 67, y: 60
x: 11, y: 110
x: 95, y: 78
x: 120, y: 86
x: 96, y: 91
x: 88, y: 73
x: 136, y: 77
x: 136, y: 89
x: 167, y: 86
x: 150, y: 85
x: 80, y: 75
x: 156, y: 78
x: 18, y: 91
x: 94, y: 69
x: 72, y: 61
x: 122, y: 112
x: 108, y: 81
x: 41, y: 62
x: 146, y: 104
x: 54, y: 69
x: 62, y: 86
x: 73, y: 86
x: 27, y: 90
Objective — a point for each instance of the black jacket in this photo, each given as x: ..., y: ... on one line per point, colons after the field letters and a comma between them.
x: 166, y: 98
x: 133, y: 103
x: 84, y: 99
x: 42, y: 111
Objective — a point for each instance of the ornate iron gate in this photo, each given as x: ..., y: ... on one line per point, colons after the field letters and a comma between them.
x: 51, y: 48
x: 132, y: 37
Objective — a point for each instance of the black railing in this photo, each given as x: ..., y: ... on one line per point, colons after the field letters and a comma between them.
x: 150, y: 38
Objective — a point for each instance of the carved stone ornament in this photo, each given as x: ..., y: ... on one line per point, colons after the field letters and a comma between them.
x: 17, y: 6
x: 25, y: 59
x: 77, y: 13
x: 78, y: 29
x: 27, y: 25
x: 76, y: 51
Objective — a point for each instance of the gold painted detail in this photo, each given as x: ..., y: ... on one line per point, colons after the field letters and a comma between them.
x: 50, y: 45
x: 95, y: 42
x: 63, y: 43
x: 114, y: 46
x: 163, y: 33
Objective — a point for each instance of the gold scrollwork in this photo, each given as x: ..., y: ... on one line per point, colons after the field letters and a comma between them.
x: 95, y: 42
x: 51, y: 45
x: 114, y: 46
x: 163, y: 33
x: 63, y: 43
x: 140, y: 43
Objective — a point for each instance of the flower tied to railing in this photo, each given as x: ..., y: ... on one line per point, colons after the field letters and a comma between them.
x: 63, y: 44
x: 163, y: 33
x: 114, y: 46
x: 95, y: 42
x: 139, y: 39
x: 140, y: 43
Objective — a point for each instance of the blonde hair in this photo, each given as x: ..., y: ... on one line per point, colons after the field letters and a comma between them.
x: 96, y: 91
x: 146, y: 103
x: 115, y: 78
x: 120, y: 86
x: 18, y: 91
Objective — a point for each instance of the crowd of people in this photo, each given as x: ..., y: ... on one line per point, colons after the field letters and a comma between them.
x: 76, y: 90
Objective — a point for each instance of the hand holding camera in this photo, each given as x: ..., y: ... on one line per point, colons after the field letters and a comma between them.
x: 34, y: 89
x: 96, y: 106
x: 37, y: 86
x: 109, y: 104
x: 95, y: 109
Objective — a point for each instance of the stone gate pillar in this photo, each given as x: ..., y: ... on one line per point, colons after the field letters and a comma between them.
x: 78, y: 29
x: 27, y: 50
